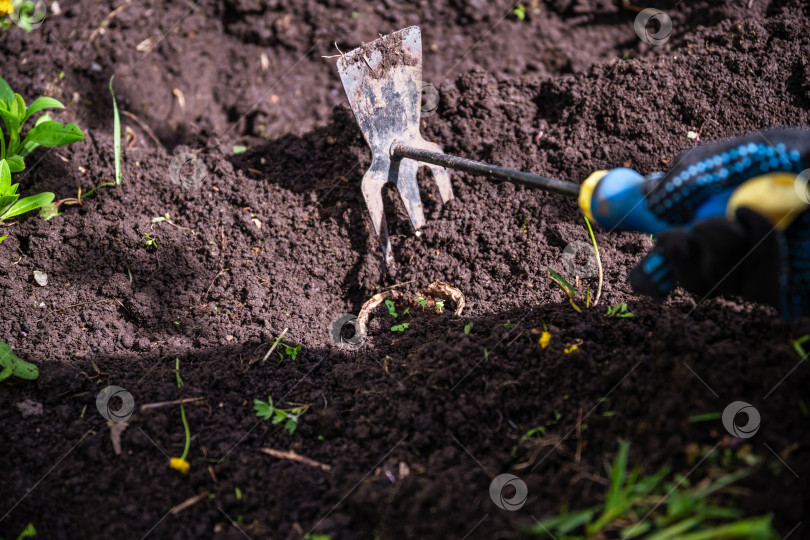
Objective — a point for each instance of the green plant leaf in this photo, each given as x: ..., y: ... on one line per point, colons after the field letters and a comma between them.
x: 116, y: 135
x: 27, y: 204
x: 5, y: 177
x: 49, y: 211
x: 42, y: 103
x: 17, y: 107
x: 16, y: 163
x: 28, y: 532
x: 6, y: 373
x: 6, y: 93
x: 12, y: 123
x: 51, y: 133
x: 3, y: 237
x: 6, y: 202
x: 19, y: 367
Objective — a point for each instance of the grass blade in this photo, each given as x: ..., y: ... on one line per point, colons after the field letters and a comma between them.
x: 598, y: 262
x: 116, y: 135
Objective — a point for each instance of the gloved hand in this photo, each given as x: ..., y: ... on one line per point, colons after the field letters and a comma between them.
x: 741, y: 223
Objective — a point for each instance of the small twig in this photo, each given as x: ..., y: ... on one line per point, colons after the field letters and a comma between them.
x: 188, y: 502
x: 146, y: 128
x: 159, y: 404
x: 214, y: 281
x: 513, y: 340
x: 107, y: 20
x: 293, y: 456
x: 273, y: 348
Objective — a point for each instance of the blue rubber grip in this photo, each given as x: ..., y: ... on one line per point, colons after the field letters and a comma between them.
x: 618, y: 202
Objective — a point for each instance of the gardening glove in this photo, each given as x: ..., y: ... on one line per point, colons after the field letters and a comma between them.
x: 740, y: 212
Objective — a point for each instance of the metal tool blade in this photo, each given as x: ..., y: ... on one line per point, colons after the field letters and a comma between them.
x: 383, y: 81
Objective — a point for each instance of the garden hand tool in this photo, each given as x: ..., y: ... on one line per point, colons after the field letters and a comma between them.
x: 740, y: 222
x: 382, y: 80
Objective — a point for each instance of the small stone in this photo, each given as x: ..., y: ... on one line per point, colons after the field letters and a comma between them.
x: 229, y: 338
x: 41, y: 278
x: 257, y: 223
x: 29, y: 407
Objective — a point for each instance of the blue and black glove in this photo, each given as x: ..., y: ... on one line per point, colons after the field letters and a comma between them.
x: 739, y: 212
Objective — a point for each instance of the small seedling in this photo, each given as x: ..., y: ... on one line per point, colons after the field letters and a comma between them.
x: 422, y: 302
x: 598, y: 264
x: 150, y: 242
x: 569, y: 289
x: 45, y: 132
x: 116, y: 135
x: 239, y: 149
x: 266, y: 410
x: 520, y: 12
x: 619, y: 310
x: 439, y: 307
x: 391, y: 308
x: 11, y: 364
x: 180, y: 464
x: 467, y: 328
x: 10, y: 206
x: 400, y: 327
x: 291, y: 352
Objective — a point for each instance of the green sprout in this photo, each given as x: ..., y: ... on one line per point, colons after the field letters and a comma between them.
x: 10, y: 206
x: 181, y: 464
x: 467, y: 328
x: 439, y: 307
x: 239, y: 149
x: 651, y: 506
x: 422, y: 302
x: 291, y: 352
x: 520, y: 12
x: 29, y: 532
x: 116, y: 135
x: 45, y: 132
x: 567, y: 288
x: 400, y: 327
x: 391, y: 308
x: 11, y: 364
x: 619, y: 310
x: 598, y: 264
x: 798, y: 346
x: 150, y: 242
x: 266, y: 410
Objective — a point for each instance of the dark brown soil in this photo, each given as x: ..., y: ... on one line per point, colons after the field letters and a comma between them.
x: 414, y: 425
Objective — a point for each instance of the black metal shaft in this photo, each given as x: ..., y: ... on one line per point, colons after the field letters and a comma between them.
x: 485, y: 169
